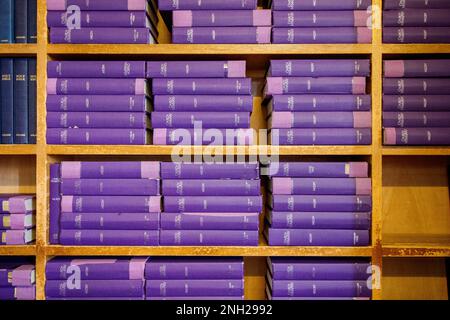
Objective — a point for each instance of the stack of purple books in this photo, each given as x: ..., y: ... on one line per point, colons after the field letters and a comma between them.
x: 319, y: 102
x: 319, y: 204
x: 416, y: 102
x: 102, y: 21
x: 201, y: 102
x: 17, y: 279
x: 199, y: 278
x: 324, y: 21
x: 97, y: 102
x: 318, y: 279
x: 70, y: 278
x: 214, y: 204
x: 212, y: 21
x: 416, y: 21
x: 105, y: 203
x: 17, y: 219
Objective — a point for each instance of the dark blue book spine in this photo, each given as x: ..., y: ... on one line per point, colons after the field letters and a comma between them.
x: 7, y: 89
x: 32, y: 21
x: 32, y: 122
x: 7, y: 21
x: 20, y: 101
x: 20, y: 21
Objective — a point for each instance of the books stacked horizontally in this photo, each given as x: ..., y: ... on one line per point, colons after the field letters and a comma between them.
x: 318, y: 102
x: 210, y: 204
x: 212, y: 21
x: 325, y: 21
x: 105, y: 203
x: 102, y: 21
x: 416, y: 21
x: 69, y: 278
x: 17, y: 219
x: 18, y: 21
x: 318, y: 279
x: 17, y: 279
x: 97, y: 102
x: 319, y: 204
x: 201, y: 102
x: 18, y: 100
x: 194, y: 278
x: 416, y: 102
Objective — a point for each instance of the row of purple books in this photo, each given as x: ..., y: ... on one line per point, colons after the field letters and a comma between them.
x: 17, y: 279
x: 17, y: 219
x: 102, y: 21
x: 318, y: 102
x: 416, y: 104
x: 154, y: 278
x: 318, y: 279
x: 319, y: 204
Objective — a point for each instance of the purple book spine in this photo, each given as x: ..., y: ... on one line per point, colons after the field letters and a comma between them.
x: 55, y: 203
x: 288, y: 120
x: 18, y: 293
x: 100, y: 86
x: 315, y: 237
x: 96, y: 69
x: 321, y: 186
x: 104, y: 204
x: 355, y: 18
x: 110, y: 221
x: 238, y: 86
x: 95, y: 288
x: 180, y: 288
x: 97, y: 136
x: 101, y: 5
x: 300, y: 5
x: 222, y: 18
x: 208, y: 238
x: 417, y: 68
x: 417, y: 136
x: 196, y: 69
x: 101, y: 36
x: 211, y: 187
x: 422, y: 86
x: 169, y: 5
x: 421, y: 4
x: 216, y: 298
x: 320, y: 220
x: 209, y: 221
x: 109, y: 237
x: 324, y: 288
x: 130, y: 19
x: 221, y: 35
x: 207, y: 119
x: 319, y: 169
x: 203, y: 103
x: 288, y: 85
x: 416, y: 119
x: 415, y: 103
x: 324, y: 136
x: 416, y: 35
x: 319, y: 68
x: 213, y: 136
x: 321, y: 203
x: 416, y: 18
x: 110, y: 170
x: 110, y: 187
x: 119, y: 120
x: 176, y: 170
x: 322, y: 35
x: 97, y: 103
x: 212, y: 204
x: 321, y: 102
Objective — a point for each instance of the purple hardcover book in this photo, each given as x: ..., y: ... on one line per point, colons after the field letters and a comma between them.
x: 212, y: 136
x: 212, y: 204
x: 222, y: 18
x: 169, y: 5
x: 117, y: 204
x: 416, y: 119
x: 320, y: 102
x: 320, y: 288
x: 319, y: 220
x: 321, y: 186
x: 109, y: 237
x: 123, y: 19
x: 100, y: 86
x: 179, y: 170
x: 324, y: 136
x: 319, y: 68
x: 95, y: 288
x: 422, y: 86
x: 320, y: 203
x: 20, y: 204
x: 216, y: 298
x: 17, y: 221
x: 203, y: 103
x: 110, y: 221
x: 62, y: 268
x: 417, y: 136
x: 17, y: 237
x: 305, y: 5
x: 110, y: 170
x: 207, y: 86
x: 431, y: 68
x: 319, y: 169
x: 349, y: 18
x: 98, y: 136
x: 96, y: 299
x: 287, y: 120
x: 17, y: 275
x: 119, y: 120
x: 101, y: 36
x: 18, y: 293
x: 110, y: 187
x: 322, y: 35
x: 221, y: 35
x: 206, y: 119
x: 96, y: 69
x: 180, y: 288
x: 416, y: 35
x: 55, y: 202
x: 421, y: 4
x: 101, y: 5
x: 98, y: 103
x: 416, y: 18
x: 196, y: 69
x: 416, y: 103
x: 208, y: 238
x: 209, y: 221
x: 211, y: 187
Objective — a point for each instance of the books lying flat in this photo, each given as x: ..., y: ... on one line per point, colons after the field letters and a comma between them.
x: 180, y: 288
x: 321, y: 35
x: 207, y: 86
x: 110, y: 170
x: 301, y: 5
x: 416, y: 18
x: 98, y: 136
x: 319, y: 68
x: 416, y: 102
x: 96, y: 69
x: 319, y: 102
x: 17, y: 237
x: 176, y: 170
x: 17, y: 275
x: 110, y: 221
x: 283, y: 119
x: 421, y: 86
x: 211, y: 187
x: 416, y: 35
x: 221, y: 35
x: 323, y: 136
x: 320, y: 203
x: 98, y: 103
x: 209, y: 221
x: 122, y: 19
x: 215, y: 298
x: 233, y: 103
x: 17, y: 221
x: 109, y: 237
x: 20, y: 204
x: 18, y: 293
x: 416, y: 119
x: 434, y: 4
x: 208, y: 238
x: 110, y: 187
x: 101, y: 5
x: 205, y: 119
x: 319, y: 169
x: 95, y: 288
x: 212, y: 204
x: 356, y: 18
x: 118, y: 120
x: 102, y: 204
x: 196, y: 69
x: 165, y: 5
x: 417, y: 68
x: 222, y: 18
x: 101, y: 36
x: 102, y: 86
x: 416, y: 136
x: 211, y: 136
x: 321, y: 186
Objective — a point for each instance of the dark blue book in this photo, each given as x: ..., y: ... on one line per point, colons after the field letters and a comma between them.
x: 7, y: 89
x: 20, y: 101
x: 21, y: 21
x: 32, y: 121
x: 32, y: 21
x: 6, y: 21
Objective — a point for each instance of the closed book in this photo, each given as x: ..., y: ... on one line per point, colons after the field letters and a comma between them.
x: 209, y: 221
x: 96, y: 69
x: 17, y: 237
x: 63, y: 268
x: 18, y: 293
x: 169, y: 5
x: 98, y: 136
x: 319, y: 102
x: 416, y: 35
x: 98, y: 103
x: 222, y: 18
x: 194, y: 268
x: 123, y: 19
x: 416, y: 136
x: 196, y: 69
x: 20, y: 101
x: 416, y: 119
x: 68, y: 86
x: 319, y: 68
x: 416, y: 102
x: 213, y: 204
x: 208, y: 238
x: 100, y: 5
x: 322, y: 18
x: 109, y: 237
x: 237, y: 86
x: 102, y: 204
x: 286, y: 120
x: 119, y: 120
x: 96, y: 299
x: 211, y: 187
x: 416, y: 18
x: 323, y: 136
x: 421, y: 4
x: 321, y: 186
x: 110, y: 187
x: 182, y: 103
x: 21, y: 21
x: 32, y: 21
x: 301, y: 5
x: 215, y: 298
x: 212, y: 136
x: 205, y: 119
x: 7, y: 100
x: 321, y: 35
x: 94, y: 288
x: 321, y: 203
x: 110, y: 170
x: 20, y: 204
x: 110, y: 221
x: 32, y: 95
x: 17, y: 275
x: 7, y: 21
x: 221, y: 35
x: 17, y: 221
x: 239, y: 170
x: 319, y: 169
x: 180, y: 288
x: 431, y: 68
x: 422, y: 86
x: 101, y: 36
x: 55, y: 203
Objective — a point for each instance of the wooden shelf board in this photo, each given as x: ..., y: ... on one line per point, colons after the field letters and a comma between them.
x: 416, y: 250
x: 415, y: 48
x: 28, y: 250
x: 416, y: 151
x: 18, y: 49
x: 17, y: 149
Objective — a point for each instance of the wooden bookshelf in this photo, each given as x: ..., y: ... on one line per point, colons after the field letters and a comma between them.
x: 410, y: 217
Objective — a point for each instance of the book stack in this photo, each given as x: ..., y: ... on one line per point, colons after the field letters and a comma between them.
x: 318, y: 102
x: 105, y: 203
x: 190, y: 96
x: 17, y: 279
x: 416, y: 21
x: 416, y: 102
x: 210, y: 204
x: 17, y: 219
x: 71, y: 278
x: 319, y: 204
x: 102, y: 21
x: 97, y: 102
x: 18, y: 100
x: 324, y: 21
x: 318, y: 279
x: 18, y: 21
x: 195, y: 278
x: 212, y: 21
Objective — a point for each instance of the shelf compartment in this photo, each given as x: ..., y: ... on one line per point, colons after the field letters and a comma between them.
x: 17, y: 174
